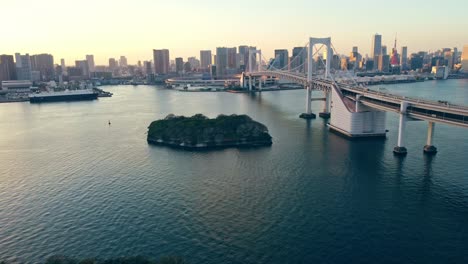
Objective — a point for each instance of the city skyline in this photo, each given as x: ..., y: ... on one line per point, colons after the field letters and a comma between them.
x: 108, y: 35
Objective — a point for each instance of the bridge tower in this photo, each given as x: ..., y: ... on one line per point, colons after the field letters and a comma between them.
x: 310, y: 61
x: 253, y: 52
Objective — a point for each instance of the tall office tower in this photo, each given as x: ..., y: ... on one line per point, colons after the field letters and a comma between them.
x: 7, y: 68
x: 205, y: 58
x: 404, y: 58
x: 232, y: 58
x: 243, y: 54
x: 148, y: 68
x: 90, y: 60
x: 23, y: 67
x: 384, y: 50
x: 281, y: 59
x: 384, y: 63
x: 455, y: 56
x: 112, y: 64
x: 355, y: 49
x: 221, y: 61
x: 161, y: 61
x: 299, y: 59
x: 179, y: 62
x: 83, y: 65
x: 376, y: 49
x: 123, y: 62
x: 464, y: 59
x: 44, y: 64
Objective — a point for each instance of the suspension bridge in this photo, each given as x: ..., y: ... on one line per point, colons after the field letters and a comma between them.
x: 354, y: 110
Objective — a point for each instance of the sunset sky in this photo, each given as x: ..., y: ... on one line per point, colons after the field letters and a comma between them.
x: 110, y: 28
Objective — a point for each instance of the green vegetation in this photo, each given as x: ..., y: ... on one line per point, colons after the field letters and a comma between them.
x: 199, y: 131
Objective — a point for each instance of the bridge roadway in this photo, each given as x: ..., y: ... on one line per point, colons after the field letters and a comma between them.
x: 441, y: 112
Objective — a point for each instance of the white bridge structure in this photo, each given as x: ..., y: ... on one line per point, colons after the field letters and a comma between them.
x: 354, y: 110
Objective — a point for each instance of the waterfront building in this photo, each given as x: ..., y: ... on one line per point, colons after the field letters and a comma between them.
x: 416, y: 61
x: 113, y: 64
x: 23, y: 66
x: 299, y: 59
x: 83, y: 65
x: 44, y: 65
x: 205, y: 59
x: 194, y: 62
x: 221, y: 61
x: 123, y: 62
x: 75, y: 73
x: 404, y: 58
x: 161, y: 61
x: 179, y: 68
x: 148, y: 67
x: 16, y: 85
x: 90, y: 60
x: 232, y: 58
x: 464, y: 59
x: 281, y: 59
x: 7, y: 68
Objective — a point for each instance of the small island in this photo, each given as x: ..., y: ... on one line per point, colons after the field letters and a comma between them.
x: 201, y: 132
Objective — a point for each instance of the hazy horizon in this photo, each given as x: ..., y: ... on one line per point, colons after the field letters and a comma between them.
x: 109, y: 29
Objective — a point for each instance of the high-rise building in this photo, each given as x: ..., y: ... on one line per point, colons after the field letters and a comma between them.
x: 376, y: 49
x: 83, y: 65
x: 123, y: 62
x: 205, y: 58
x: 299, y: 59
x: 148, y: 67
x: 464, y: 59
x: 384, y: 63
x: 281, y: 59
x: 23, y: 67
x: 44, y: 64
x: 243, y: 54
x: 90, y: 60
x: 179, y: 62
x: 404, y: 58
x: 384, y: 50
x: 232, y: 58
x: 221, y: 61
x: 7, y: 68
x: 161, y: 61
x: 112, y: 64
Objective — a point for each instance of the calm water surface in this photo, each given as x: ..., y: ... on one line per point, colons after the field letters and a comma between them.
x: 70, y: 184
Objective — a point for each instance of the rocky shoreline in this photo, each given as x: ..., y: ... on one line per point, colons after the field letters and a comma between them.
x: 201, y: 133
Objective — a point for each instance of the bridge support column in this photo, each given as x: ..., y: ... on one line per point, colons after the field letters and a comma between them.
x: 400, y: 149
x: 326, y: 106
x: 308, y: 114
x: 260, y: 84
x: 250, y: 83
x: 429, y: 148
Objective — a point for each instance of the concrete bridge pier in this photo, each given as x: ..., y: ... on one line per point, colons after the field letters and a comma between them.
x: 260, y: 84
x: 400, y: 149
x: 326, y: 106
x: 308, y: 114
x: 250, y: 83
x: 429, y: 148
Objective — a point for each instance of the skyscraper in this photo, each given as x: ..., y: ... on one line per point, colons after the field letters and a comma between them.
x: 148, y: 67
x: 112, y: 64
x: 205, y: 58
x: 123, y: 62
x: 83, y: 65
x: 161, y: 61
x: 464, y: 59
x: 90, y: 60
x: 232, y: 58
x: 299, y: 59
x: 376, y: 49
x: 179, y: 62
x: 23, y: 67
x: 281, y: 59
x: 404, y: 58
x: 221, y: 61
x: 44, y: 64
x: 7, y: 68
